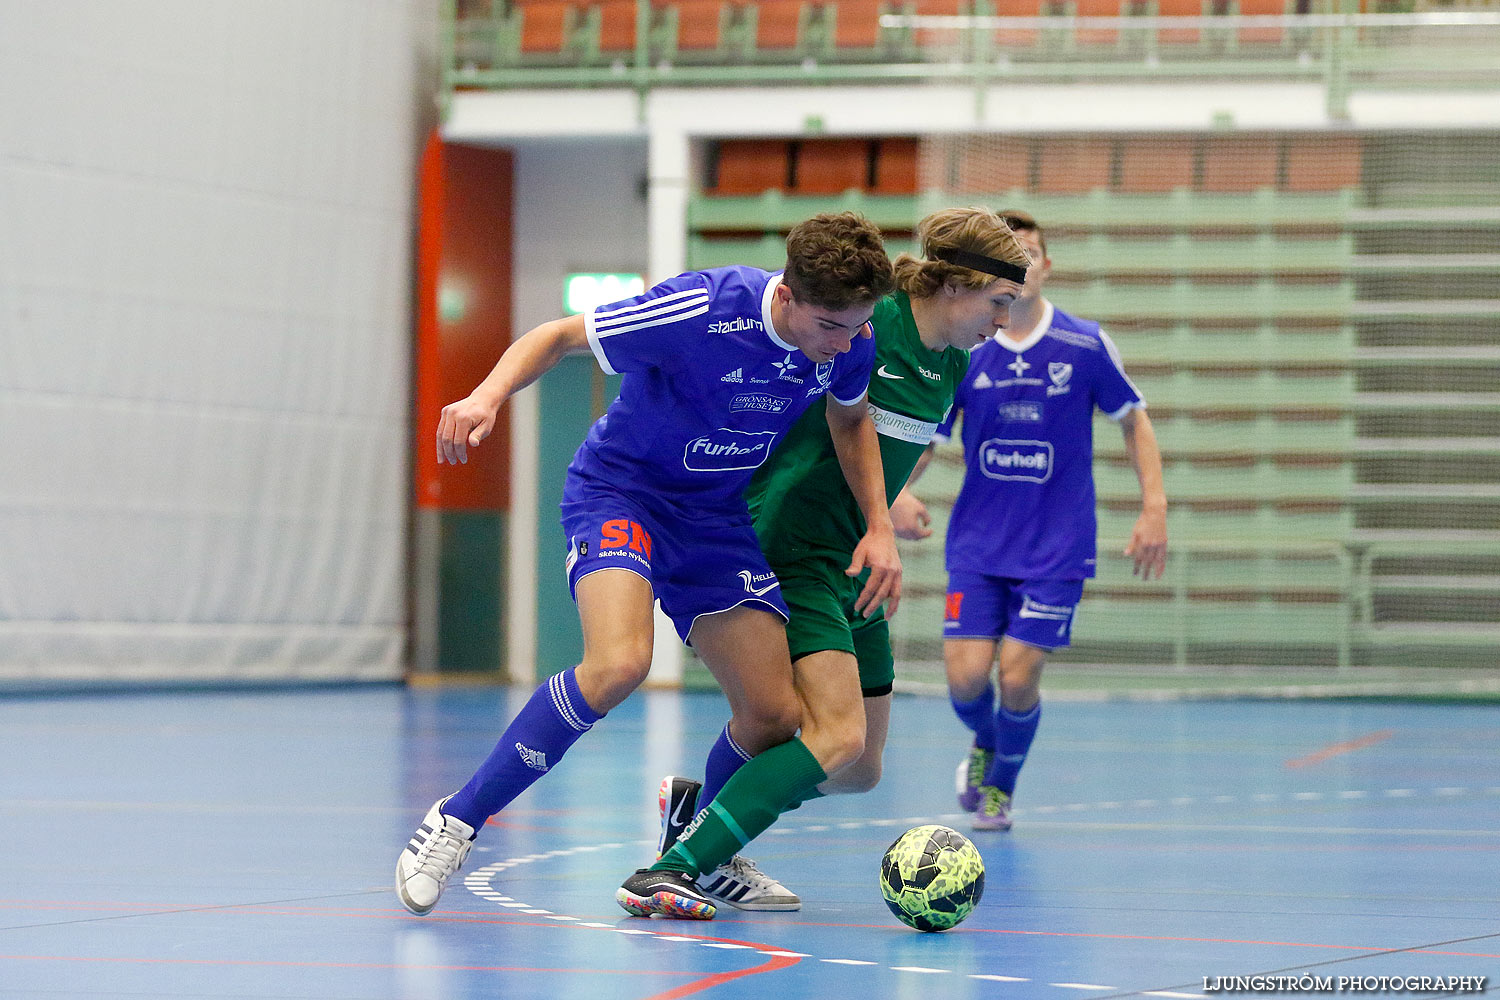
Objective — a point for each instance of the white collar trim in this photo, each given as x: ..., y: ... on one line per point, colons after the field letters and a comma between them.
x: 765, y: 313
x: 1034, y: 337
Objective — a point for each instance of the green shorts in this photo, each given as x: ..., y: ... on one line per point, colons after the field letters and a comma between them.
x: 821, y: 599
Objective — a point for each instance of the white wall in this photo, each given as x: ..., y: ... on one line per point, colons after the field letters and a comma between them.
x: 578, y: 207
x: 205, y: 242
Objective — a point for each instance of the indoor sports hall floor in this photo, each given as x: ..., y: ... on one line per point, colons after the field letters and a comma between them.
x: 242, y: 845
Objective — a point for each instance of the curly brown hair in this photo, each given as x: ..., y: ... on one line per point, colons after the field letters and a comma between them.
x: 977, y: 230
x: 837, y: 260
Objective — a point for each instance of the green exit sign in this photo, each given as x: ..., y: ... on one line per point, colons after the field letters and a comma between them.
x: 583, y: 292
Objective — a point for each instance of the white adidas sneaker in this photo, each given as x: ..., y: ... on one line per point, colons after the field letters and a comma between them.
x: 738, y: 883
x: 433, y: 854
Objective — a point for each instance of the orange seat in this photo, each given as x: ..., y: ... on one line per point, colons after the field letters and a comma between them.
x: 1017, y: 37
x: 940, y: 8
x: 1262, y: 36
x: 751, y: 166
x: 1179, y: 8
x: 829, y: 166
x: 999, y: 164
x: 1098, y: 8
x: 697, y: 23
x: 1326, y: 163
x: 856, y: 24
x: 1074, y: 165
x: 1154, y: 165
x: 544, y: 25
x: 1239, y: 163
x: 776, y: 26
x: 896, y: 166
x: 617, y: 26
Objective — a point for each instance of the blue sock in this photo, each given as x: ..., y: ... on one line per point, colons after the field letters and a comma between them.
x: 1014, y: 734
x: 549, y: 723
x: 724, y: 758
x: 979, y: 716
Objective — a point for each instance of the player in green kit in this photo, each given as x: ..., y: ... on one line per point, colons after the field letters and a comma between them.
x: 947, y: 303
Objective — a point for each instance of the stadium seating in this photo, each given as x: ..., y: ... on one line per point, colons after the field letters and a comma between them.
x: 1315, y: 444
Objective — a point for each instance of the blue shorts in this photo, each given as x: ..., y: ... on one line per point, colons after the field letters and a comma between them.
x: 1036, y: 612
x: 698, y: 565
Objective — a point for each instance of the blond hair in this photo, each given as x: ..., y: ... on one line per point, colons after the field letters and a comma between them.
x: 977, y: 230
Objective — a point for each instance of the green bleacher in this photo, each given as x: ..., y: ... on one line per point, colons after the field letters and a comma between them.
x: 1301, y: 401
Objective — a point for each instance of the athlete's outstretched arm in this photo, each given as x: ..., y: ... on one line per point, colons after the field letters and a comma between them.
x: 858, y: 448
x: 469, y: 421
x: 908, y: 514
x: 1148, y: 541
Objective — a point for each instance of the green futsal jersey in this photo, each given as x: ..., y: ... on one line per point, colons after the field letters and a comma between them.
x: 799, y: 499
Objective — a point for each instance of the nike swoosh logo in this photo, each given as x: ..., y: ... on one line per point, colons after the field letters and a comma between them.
x: 679, y: 820
x: 885, y: 374
x: 749, y: 581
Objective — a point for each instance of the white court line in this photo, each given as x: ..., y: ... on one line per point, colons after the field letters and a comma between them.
x: 1082, y: 986
x: 479, y: 883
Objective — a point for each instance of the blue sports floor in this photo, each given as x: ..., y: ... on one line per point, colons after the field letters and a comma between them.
x: 242, y: 845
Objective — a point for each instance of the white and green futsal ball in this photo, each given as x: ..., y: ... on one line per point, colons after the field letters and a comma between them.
x: 932, y: 878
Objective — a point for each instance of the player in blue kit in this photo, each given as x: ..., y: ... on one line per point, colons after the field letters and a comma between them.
x: 1021, y: 536
x: 717, y: 365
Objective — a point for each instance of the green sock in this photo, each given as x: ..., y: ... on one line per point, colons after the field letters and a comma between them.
x: 745, y: 807
x: 807, y: 796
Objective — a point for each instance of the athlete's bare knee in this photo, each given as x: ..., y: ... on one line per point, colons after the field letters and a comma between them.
x: 765, y: 724
x: 608, y: 677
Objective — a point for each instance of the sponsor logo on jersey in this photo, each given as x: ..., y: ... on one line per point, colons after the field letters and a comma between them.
x: 725, y: 450
x: 738, y: 375
x: 735, y: 325
x: 902, y: 428
x: 1019, y: 366
x: 767, y: 581
x: 1059, y: 372
x: 620, y: 533
x: 983, y: 381
x: 885, y: 374
x: 784, y: 370
x: 1021, y: 411
x: 925, y: 373
x: 1036, y: 609
x: 1024, y: 461
x: 758, y: 402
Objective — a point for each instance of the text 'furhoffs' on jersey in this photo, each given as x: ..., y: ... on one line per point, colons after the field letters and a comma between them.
x: 1027, y: 416
x: 709, y: 387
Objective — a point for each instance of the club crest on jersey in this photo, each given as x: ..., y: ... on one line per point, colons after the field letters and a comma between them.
x: 1059, y: 372
x: 1024, y: 461
x: 725, y: 450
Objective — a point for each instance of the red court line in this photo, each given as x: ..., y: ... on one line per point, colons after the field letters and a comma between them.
x: 1319, y: 756
x: 773, y: 963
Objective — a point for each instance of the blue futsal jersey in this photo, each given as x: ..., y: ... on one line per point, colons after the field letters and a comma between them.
x: 1026, y: 508
x: 708, y: 390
